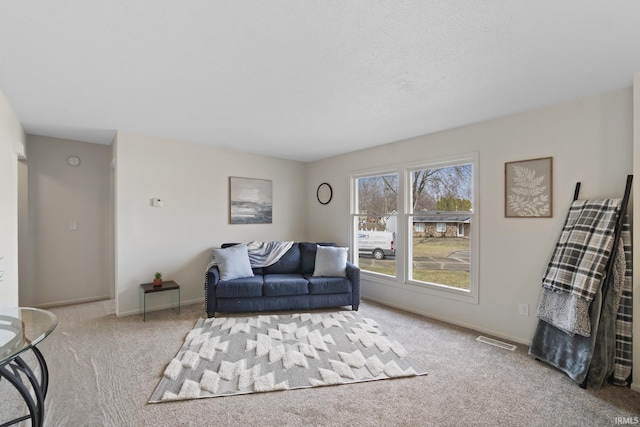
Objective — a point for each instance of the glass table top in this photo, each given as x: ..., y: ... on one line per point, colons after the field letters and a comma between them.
x: 22, y: 328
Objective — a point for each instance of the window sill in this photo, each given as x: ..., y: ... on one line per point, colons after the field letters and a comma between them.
x: 423, y: 288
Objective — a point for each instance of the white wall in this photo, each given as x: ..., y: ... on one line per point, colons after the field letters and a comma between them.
x: 590, y: 141
x: 61, y: 265
x: 176, y: 239
x: 10, y: 133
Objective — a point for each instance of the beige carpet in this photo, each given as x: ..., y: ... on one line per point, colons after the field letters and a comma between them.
x: 228, y: 356
x: 104, y: 368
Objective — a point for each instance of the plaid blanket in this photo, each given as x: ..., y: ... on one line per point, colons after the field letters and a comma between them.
x: 623, y: 352
x: 581, y: 254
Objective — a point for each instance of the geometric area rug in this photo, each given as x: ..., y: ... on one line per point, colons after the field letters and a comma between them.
x: 226, y: 356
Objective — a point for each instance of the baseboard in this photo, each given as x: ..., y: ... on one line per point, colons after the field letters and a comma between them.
x: 72, y: 301
x: 635, y: 387
x: 164, y: 307
x: 451, y: 321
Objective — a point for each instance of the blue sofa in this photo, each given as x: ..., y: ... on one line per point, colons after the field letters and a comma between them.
x: 288, y: 284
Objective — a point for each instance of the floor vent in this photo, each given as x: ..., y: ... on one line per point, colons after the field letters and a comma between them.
x: 496, y: 343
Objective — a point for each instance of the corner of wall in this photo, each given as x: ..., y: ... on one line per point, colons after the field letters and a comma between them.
x: 12, y: 138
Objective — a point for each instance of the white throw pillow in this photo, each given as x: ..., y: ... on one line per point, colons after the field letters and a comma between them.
x: 331, y: 261
x: 233, y: 262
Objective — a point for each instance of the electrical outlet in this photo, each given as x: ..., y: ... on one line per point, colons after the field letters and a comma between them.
x: 523, y: 309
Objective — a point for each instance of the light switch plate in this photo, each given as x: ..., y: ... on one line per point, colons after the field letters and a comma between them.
x: 523, y: 309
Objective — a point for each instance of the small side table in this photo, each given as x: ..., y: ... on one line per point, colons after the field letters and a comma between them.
x: 148, y: 288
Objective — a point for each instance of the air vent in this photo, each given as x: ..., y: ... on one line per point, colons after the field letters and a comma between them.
x: 496, y: 343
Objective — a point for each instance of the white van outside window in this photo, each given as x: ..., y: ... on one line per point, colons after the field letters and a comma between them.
x: 379, y: 244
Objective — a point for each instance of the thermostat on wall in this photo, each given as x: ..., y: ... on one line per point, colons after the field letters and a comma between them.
x: 157, y: 203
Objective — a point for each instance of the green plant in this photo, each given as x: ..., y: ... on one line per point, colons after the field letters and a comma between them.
x: 158, y: 275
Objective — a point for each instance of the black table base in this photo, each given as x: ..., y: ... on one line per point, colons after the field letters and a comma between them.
x: 15, y: 371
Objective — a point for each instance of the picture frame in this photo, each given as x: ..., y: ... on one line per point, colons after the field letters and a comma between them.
x: 250, y: 201
x: 528, y: 188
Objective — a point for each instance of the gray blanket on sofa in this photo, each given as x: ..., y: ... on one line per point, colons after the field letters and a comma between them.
x: 262, y: 254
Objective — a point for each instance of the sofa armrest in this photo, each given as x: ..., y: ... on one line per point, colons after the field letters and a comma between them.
x: 210, y: 302
x: 353, y: 273
x: 213, y: 276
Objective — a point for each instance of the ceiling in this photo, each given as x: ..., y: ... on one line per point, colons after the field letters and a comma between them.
x: 302, y: 79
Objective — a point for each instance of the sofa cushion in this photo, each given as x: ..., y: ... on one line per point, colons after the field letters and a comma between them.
x: 308, y: 256
x: 232, y: 305
x: 233, y: 262
x: 240, y: 288
x: 331, y: 262
x: 287, y: 302
x: 329, y: 285
x: 287, y: 264
x: 285, y: 284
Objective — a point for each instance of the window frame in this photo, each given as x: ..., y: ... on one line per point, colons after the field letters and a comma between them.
x: 404, y: 231
x: 355, y: 217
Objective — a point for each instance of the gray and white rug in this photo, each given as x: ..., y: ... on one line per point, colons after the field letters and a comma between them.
x: 226, y: 356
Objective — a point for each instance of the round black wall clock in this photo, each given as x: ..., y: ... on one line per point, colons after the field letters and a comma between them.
x: 324, y: 193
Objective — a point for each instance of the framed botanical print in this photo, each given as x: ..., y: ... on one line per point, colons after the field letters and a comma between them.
x: 528, y: 188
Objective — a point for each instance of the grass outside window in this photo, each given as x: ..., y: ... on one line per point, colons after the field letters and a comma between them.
x: 440, y: 260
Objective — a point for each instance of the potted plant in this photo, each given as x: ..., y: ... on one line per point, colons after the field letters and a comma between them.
x: 158, y: 279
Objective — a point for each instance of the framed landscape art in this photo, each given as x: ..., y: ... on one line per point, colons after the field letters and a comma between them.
x: 250, y: 201
x: 528, y: 188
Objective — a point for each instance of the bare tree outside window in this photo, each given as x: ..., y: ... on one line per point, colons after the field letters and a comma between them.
x: 378, y: 195
x: 429, y: 186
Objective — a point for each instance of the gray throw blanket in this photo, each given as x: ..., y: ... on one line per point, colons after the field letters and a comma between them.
x: 577, y: 267
x: 262, y: 254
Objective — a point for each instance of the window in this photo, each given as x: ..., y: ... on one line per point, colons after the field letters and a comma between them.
x: 376, y: 222
x: 441, y: 196
x: 415, y: 225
